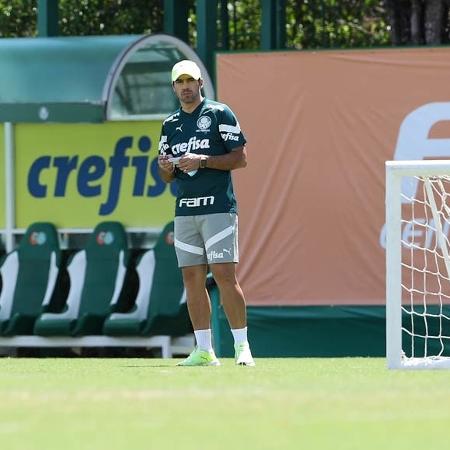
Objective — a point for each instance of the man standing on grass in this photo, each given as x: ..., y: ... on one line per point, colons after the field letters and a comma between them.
x: 200, y: 144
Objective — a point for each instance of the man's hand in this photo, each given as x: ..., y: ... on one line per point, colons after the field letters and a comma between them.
x: 165, y: 164
x: 189, y: 162
x: 166, y: 169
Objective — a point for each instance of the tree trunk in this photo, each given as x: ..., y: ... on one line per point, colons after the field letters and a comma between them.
x: 434, y: 22
x: 393, y: 14
x: 399, y: 13
x: 417, y: 22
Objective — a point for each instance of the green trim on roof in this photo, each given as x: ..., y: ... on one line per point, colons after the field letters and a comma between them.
x: 52, y: 112
x: 67, y: 75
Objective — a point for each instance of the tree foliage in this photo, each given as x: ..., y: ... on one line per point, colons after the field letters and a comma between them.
x: 106, y: 17
x: 333, y: 23
x: 309, y: 23
x: 244, y: 24
x: 16, y: 19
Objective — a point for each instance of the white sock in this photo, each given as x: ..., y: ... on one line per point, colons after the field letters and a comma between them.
x: 203, y: 338
x: 240, y: 335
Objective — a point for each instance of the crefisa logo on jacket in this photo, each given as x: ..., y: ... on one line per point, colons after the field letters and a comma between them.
x: 105, y: 238
x: 37, y: 238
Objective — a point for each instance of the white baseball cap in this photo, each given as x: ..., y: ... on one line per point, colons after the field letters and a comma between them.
x: 186, y: 67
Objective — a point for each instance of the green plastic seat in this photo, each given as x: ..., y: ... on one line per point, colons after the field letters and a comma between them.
x: 29, y: 275
x: 160, y: 306
x: 97, y: 276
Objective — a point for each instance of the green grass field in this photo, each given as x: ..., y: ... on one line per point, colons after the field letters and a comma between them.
x: 133, y: 404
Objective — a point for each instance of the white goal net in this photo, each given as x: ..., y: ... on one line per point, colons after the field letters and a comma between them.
x: 418, y: 264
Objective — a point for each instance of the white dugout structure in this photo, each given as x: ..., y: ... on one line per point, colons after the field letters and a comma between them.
x: 83, y: 80
x: 121, y: 86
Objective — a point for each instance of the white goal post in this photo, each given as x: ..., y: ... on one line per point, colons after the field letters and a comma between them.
x: 418, y: 264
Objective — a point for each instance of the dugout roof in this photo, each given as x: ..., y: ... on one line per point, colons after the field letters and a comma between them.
x: 90, y: 79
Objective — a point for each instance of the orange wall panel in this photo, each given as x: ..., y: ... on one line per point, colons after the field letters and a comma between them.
x: 320, y: 126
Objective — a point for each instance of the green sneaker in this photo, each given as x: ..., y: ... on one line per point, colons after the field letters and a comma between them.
x: 200, y: 358
x: 243, y: 355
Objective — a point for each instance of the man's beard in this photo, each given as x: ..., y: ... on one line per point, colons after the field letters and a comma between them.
x: 188, y: 97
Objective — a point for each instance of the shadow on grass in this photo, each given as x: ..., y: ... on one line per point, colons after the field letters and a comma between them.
x: 138, y: 366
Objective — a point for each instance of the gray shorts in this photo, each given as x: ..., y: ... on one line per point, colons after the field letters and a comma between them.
x: 206, y: 239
